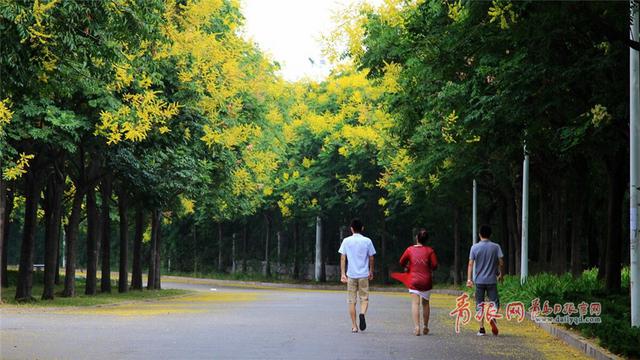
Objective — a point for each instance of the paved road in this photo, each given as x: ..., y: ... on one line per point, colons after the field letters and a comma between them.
x: 237, y: 323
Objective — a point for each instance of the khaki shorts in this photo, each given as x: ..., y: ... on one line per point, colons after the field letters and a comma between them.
x: 359, y: 287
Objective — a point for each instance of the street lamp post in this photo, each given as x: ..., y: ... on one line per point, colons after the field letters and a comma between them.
x: 474, y: 222
x: 524, y: 246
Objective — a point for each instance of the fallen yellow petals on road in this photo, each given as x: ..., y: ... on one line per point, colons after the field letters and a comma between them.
x: 197, y: 303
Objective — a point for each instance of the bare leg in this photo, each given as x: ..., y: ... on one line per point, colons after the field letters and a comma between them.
x: 352, y: 313
x: 426, y: 311
x: 415, y: 312
x: 364, y: 305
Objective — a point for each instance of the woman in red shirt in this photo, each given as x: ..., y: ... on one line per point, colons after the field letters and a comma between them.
x: 420, y: 260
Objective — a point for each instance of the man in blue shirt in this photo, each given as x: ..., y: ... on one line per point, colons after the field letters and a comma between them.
x: 489, y: 265
x: 357, y: 250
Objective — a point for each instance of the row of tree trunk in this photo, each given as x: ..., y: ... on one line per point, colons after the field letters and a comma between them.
x: 98, y: 231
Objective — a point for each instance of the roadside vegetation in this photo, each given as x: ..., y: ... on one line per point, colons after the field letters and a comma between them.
x: 100, y: 298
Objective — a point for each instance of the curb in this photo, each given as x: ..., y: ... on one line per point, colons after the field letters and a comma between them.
x: 576, y: 341
x: 238, y: 283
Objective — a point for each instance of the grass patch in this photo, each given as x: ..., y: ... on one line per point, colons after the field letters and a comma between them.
x: 8, y: 294
x: 239, y: 276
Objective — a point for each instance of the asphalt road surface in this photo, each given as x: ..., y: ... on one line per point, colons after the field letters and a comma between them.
x: 244, y: 323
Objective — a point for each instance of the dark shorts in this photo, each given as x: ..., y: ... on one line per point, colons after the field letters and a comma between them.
x: 491, y: 291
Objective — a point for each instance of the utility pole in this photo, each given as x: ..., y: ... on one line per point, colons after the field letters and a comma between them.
x: 3, y: 205
x: 474, y: 222
x: 318, y: 263
x: 524, y: 249
x: 634, y: 173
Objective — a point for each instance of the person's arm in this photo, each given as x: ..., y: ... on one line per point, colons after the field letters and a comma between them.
x: 404, y: 259
x: 433, y: 260
x: 470, y: 273
x: 500, y: 264
x: 371, y: 251
x: 343, y: 266
x: 472, y: 258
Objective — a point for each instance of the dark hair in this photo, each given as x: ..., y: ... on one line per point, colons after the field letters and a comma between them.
x: 485, y: 231
x: 356, y: 225
x: 423, y: 236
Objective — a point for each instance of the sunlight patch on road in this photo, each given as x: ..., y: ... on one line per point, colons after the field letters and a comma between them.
x: 133, y: 310
x: 225, y: 297
x: 197, y: 303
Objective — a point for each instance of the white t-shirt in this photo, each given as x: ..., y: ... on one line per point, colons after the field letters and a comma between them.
x: 357, y: 248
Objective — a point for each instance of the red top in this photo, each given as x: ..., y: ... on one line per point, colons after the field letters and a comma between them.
x: 420, y: 261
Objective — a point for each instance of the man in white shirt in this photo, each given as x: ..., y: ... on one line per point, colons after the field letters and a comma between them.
x: 357, y: 250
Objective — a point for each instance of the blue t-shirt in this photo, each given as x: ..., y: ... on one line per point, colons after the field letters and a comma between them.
x: 485, y: 254
x: 357, y: 248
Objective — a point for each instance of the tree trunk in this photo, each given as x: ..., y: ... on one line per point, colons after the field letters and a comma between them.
x: 53, y: 215
x: 220, y: 240
x: 593, y: 234
x: 136, y: 272
x: 512, y: 249
x: 124, y: 241
x: 25, y: 272
x: 513, y: 233
x: 195, y: 247
x: 383, y: 251
x: 92, y: 241
x: 617, y: 189
x: 105, y: 229
x: 559, y: 234
x: 602, y: 255
x: 244, y: 247
x: 8, y: 209
x: 508, y: 261
x: 296, y: 245
x: 279, y: 236
x: 517, y: 202
x: 456, y: 246
x: 58, y: 252
x: 545, y: 239
x: 576, y: 240
x: 158, y: 268
x: 70, y: 246
x: 151, y: 279
x: 577, y: 223
x: 233, y: 253
x: 267, y: 263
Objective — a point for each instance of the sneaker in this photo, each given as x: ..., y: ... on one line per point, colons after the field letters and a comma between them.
x: 494, y: 327
x: 363, y: 323
x: 481, y: 332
